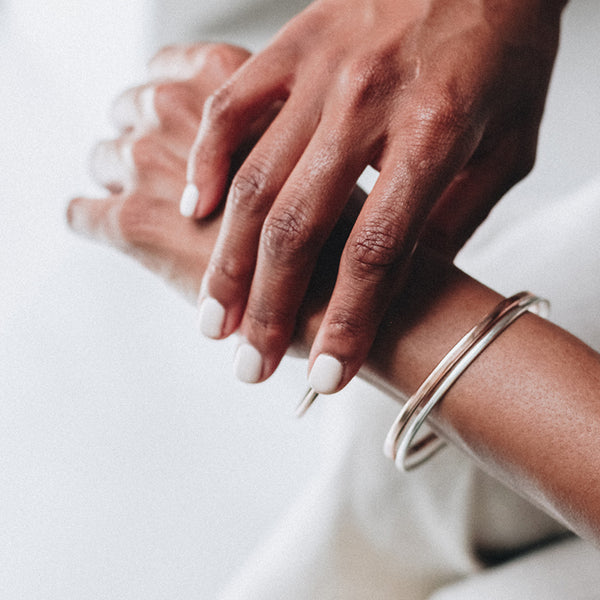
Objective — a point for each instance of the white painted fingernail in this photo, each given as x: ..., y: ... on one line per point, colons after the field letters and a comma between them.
x: 248, y: 364
x: 112, y: 164
x: 148, y: 108
x: 211, y: 317
x: 123, y: 112
x: 326, y: 374
x: 189, y: 200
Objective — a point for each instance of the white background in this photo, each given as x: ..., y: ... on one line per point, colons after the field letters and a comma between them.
x: 131, y: 464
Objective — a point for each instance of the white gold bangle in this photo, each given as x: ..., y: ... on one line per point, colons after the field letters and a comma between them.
x: 309, y: 397
x: 399, y: 445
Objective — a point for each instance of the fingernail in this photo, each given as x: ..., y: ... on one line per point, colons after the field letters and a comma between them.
x: 189, y: 200
x: 248, y: 364
x: 326, y: 374
x: 148, y: 107
x: 211, y: 317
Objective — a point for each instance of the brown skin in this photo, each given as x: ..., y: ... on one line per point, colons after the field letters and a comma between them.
x: 528, y: 410
x: 444, y: 97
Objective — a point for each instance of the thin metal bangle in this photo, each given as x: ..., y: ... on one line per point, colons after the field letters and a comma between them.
x: 441, y: 370
x: 400, y: 437
x: 309, y: 397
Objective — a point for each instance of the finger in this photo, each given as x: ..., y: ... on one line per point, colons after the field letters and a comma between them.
x: 429, y: 150
x: 182, y: 78
x: 134, y: 110
x: 112, y: 166
x: 151, y: 230
x: 475, y: 191
x: 146, y: 164
x: 293, y: 234
x: 227, y: 119
x: 174, y: 107
x: 216, y: 61
x: 251, y: 195
x: 97, y: 219
x: 159, y: 170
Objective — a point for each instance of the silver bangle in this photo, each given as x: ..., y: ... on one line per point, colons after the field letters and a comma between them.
x: 309, y: 397
x: 399, y: 445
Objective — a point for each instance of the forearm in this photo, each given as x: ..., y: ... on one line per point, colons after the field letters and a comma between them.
x: 527, y: 409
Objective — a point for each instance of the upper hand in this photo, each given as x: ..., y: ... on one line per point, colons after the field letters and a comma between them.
x: 444, y: 97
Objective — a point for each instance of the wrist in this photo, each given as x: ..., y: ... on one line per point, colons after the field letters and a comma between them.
x: 434, y: 309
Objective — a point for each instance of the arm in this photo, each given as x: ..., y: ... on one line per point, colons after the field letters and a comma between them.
x: 527, y: 410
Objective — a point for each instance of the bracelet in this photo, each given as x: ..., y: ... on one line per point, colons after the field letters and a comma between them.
x: 399, y: 445
x: 309, y: 397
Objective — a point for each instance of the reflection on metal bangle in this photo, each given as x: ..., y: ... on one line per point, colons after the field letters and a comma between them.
x: 399, y: 445
x: 306, y: 402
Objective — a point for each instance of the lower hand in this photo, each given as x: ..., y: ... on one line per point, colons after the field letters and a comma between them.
x: 144, y: 167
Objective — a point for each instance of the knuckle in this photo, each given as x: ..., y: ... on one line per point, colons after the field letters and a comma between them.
x: 375, y: 248
x: 144, y: 153
x: 249, y: 188
x: 288, y: 234
x: 139, y: 219
x: 347, y: 325
x: 363, y: 83
x: 444, y: 132
x: 230, y: 268
x: 172, y: 98
x: 272, y: 324
x: 443, y: 114
x: 220, y: 106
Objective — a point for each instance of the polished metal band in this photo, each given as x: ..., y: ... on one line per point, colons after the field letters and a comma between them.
x: 399, y: 444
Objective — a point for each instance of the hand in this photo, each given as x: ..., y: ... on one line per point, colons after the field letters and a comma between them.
x: 144, y: 167
x: 444, y: 97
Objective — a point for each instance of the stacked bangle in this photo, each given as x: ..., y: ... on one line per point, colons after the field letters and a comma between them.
x: 399, y: 445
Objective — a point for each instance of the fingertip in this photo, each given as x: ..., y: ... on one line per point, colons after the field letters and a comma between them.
x: 248, y: 363
x: 74, y: 215
x: 326, y: 374
x: 205, y: 206
x: 211, y: 318
x: 189, y: 200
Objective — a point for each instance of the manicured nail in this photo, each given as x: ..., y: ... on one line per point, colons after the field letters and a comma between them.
x: 148, y: 107
x: 189, y: 200
x: 326, y: 374
x: 248, y: 364
x: 211, y: 317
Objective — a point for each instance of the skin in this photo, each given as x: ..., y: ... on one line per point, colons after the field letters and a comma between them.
x: 443, y: 97
x: 528, y: 409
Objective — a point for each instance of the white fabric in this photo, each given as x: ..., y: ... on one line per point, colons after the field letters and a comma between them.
x: 363, y: 530
x: 570, y: 570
